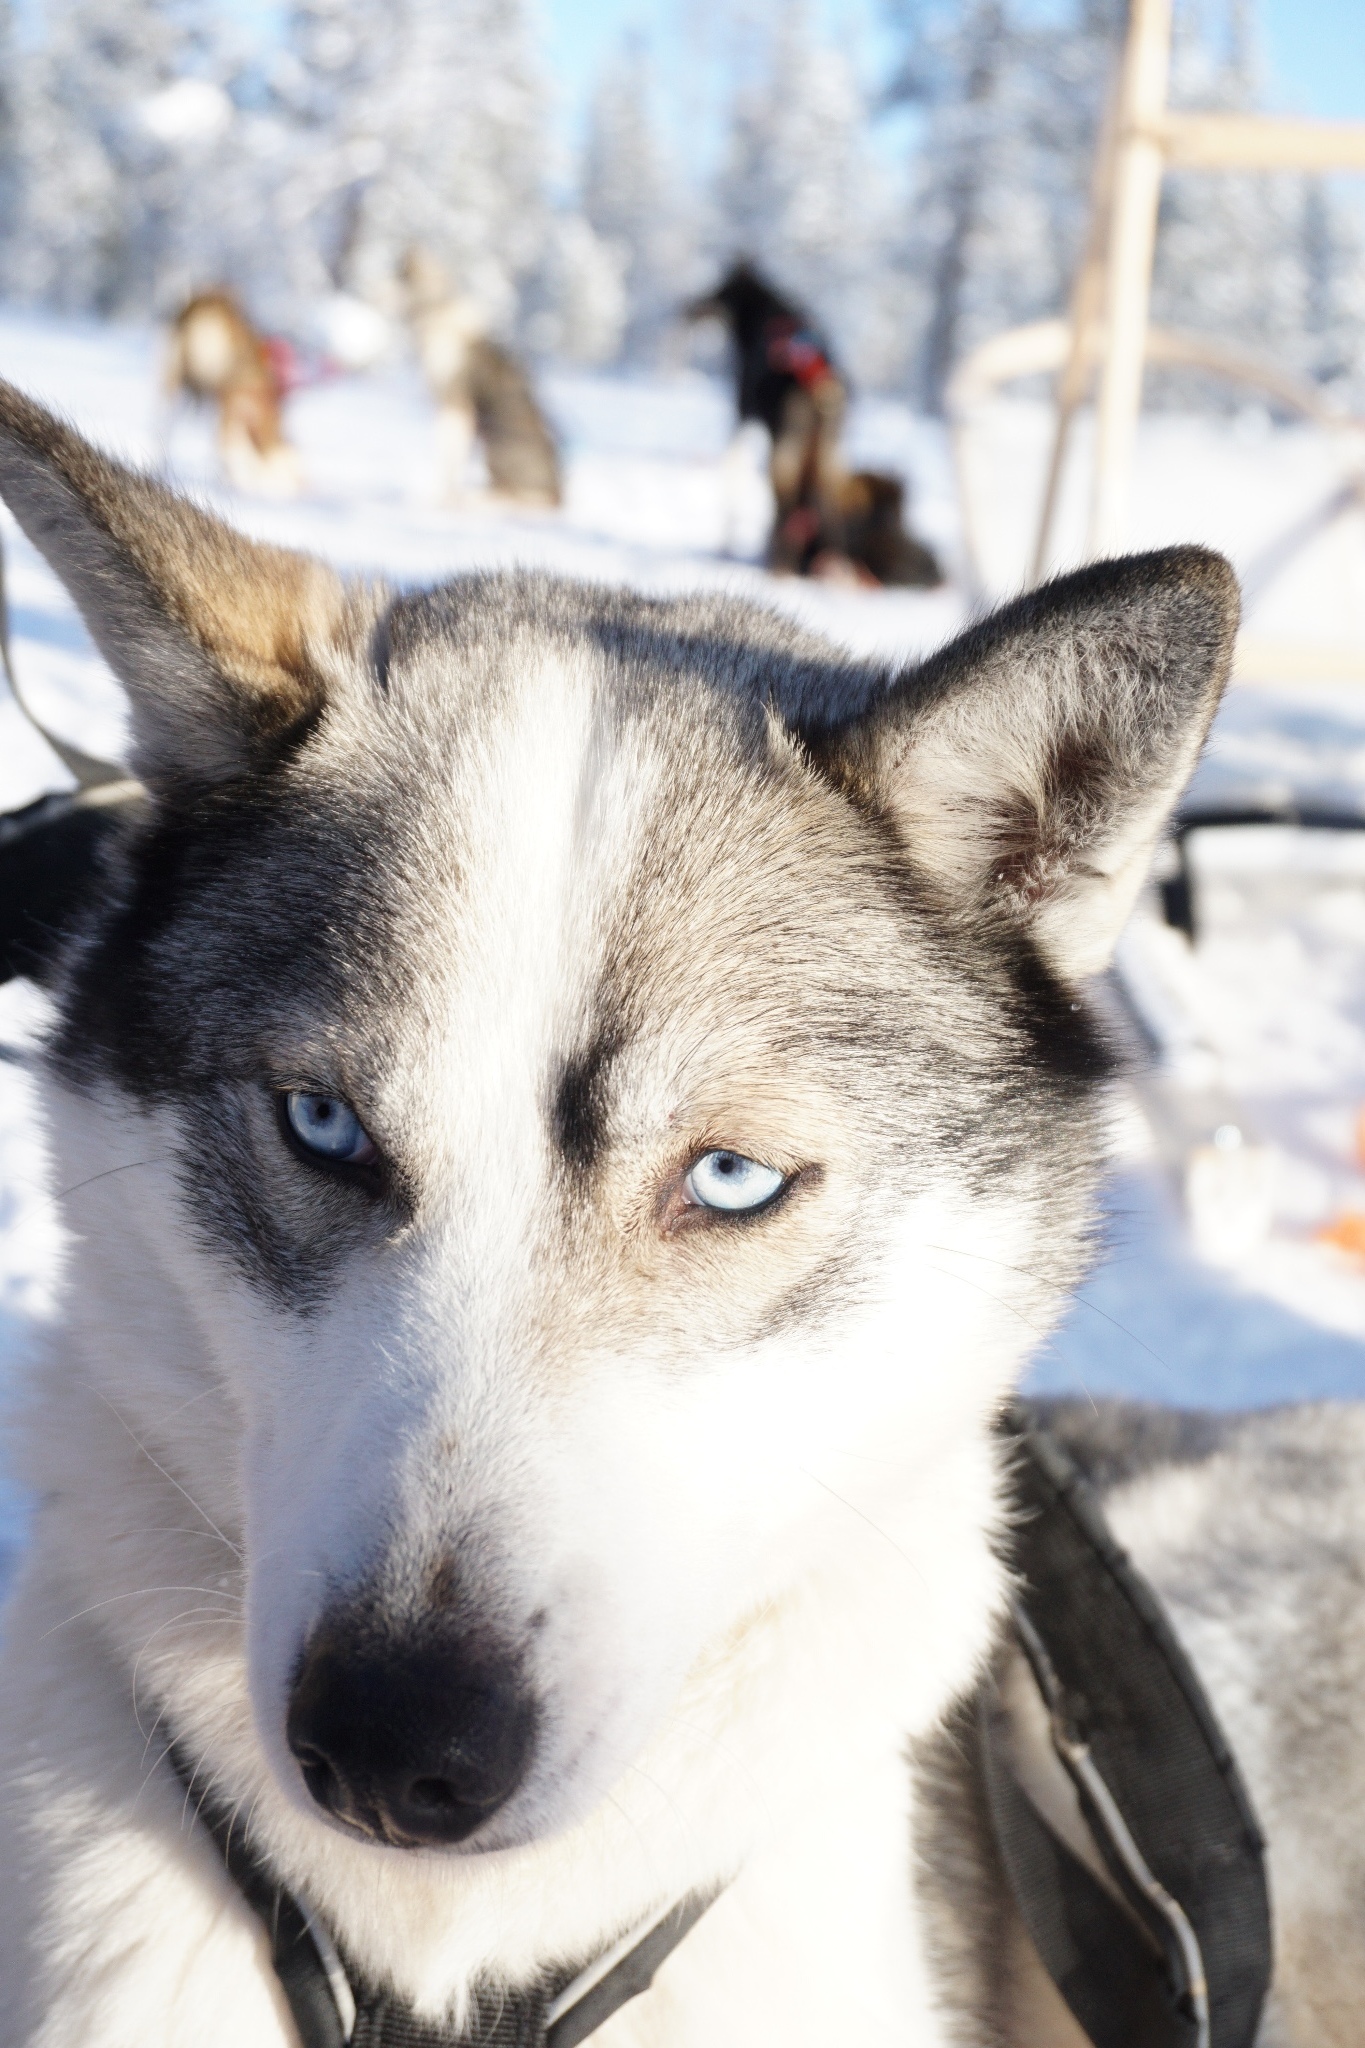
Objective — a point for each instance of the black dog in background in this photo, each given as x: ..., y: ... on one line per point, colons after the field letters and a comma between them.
x: 829, y: 523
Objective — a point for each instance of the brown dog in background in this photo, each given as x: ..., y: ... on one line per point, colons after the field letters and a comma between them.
x: 482, y: 393
x: 869, y: 522
x: 219, y: 358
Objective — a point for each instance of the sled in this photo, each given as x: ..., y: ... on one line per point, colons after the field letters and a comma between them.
x: 1167, y: 1011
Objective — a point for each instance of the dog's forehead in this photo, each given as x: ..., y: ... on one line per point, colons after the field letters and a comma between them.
x: 544, y: 834
x: 576, y: 836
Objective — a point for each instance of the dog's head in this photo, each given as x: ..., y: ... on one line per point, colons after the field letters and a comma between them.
x: 745, y: 301
x: 621, y: 1089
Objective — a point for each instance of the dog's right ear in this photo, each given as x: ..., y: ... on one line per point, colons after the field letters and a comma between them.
x: 219, y: 641
x: 1028, y: 768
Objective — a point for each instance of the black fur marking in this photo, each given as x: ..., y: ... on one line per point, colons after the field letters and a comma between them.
x: 1065, y: 1035
x: 579, y: 1114
x: 273, y: 745
x: 233, y: 917
x: 381, y: 651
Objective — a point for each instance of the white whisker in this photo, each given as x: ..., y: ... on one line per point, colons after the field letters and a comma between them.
x: 170, y: 1476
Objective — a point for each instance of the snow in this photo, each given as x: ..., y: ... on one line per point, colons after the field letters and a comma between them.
x: 1271, y: 1001
x: 191, y: 110
x: 1242, y: 484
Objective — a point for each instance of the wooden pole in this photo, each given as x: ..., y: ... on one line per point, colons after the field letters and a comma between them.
x: 1138, y: 164
x: 1260, y: 142
x: 1087, y: 309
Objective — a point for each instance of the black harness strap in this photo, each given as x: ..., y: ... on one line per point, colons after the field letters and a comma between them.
x: 50, y: 850
x: 334, y: 2007
x: 1175, y: 1952
x: 622, y: 1974
x: 383, y: 2021
x: 306, y: 1971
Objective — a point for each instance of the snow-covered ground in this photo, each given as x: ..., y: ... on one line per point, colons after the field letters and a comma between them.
x: 1272, y: 1000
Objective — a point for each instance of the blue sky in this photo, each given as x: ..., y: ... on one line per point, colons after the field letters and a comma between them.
x: 1316, y: 55
x: 1314, y: 49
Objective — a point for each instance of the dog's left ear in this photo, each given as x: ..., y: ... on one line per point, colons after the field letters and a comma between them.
x: 1029, y: 767
x: 221, y: 642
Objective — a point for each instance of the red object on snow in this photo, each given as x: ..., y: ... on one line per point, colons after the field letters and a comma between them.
x: 293, y: 368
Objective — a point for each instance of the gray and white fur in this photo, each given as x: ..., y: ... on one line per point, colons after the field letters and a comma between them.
x: 514, y: 1541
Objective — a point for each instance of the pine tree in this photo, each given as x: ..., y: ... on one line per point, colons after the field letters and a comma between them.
x: 125, y: 167
x: 1013, y: 102
x: 10, y: 182
x: 1271, y: 262
x: 155, y: 147
x: 634, y: 202
x: 328, y: 83
x: 89, y: 219
x: 800, y: 193
x: 1012, y: 106
x: 448, y: 139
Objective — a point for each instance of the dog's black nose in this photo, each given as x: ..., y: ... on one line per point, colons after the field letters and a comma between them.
x: 414, y: 1740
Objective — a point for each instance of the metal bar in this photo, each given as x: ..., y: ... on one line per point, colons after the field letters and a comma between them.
x: 89, y: 773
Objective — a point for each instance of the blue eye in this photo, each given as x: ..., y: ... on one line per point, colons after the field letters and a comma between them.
x: 329, y: 1127
x: 727, y: 1180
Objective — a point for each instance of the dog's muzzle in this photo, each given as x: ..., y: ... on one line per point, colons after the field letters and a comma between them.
x: 414, y: 1740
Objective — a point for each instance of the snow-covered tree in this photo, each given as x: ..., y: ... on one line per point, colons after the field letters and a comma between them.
x: 91, y: 214
x: 1272, y: 262
x: 1012, y: 103
x: 137, y: 175
x: 444, y: 142
x: 575, y: 305
x: 330, y: 84
x: 159, y: 151
x: 636, y: 202
x: 800, y: 192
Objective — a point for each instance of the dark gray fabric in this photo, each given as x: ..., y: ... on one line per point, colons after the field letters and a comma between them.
x: 383, y: 2021
x: 299, y: 1967
x: 1112, y: 1979
x: 632, y: 1975
x: 1115, y: 1441
x: 1133, y: 1697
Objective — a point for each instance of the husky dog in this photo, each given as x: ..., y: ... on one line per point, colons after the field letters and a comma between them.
x: 216, y: 355
x: 829, y: 523
x: 481, y: 393
x: 570, y: 1113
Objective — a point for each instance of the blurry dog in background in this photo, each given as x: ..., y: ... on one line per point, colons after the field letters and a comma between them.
x: 481, y: 392
x: 830, y: 523
x: 872, y: 508
x: 217, y: 357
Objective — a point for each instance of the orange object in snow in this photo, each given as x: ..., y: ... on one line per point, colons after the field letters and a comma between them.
x: 1346, y: 1232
